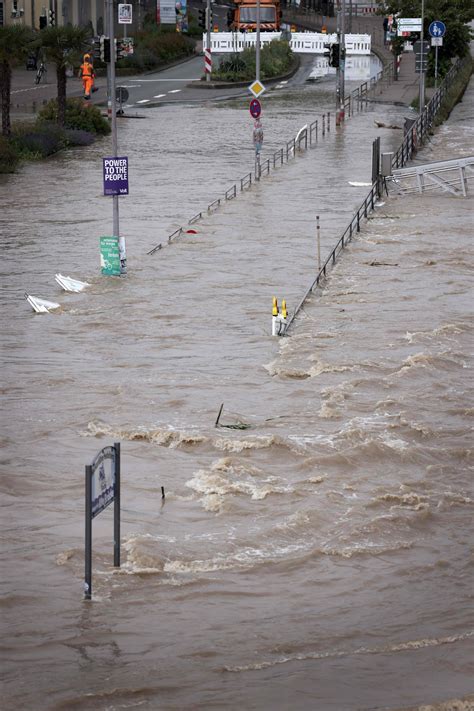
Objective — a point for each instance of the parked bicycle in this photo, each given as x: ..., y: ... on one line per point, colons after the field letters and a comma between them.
x: 41, y: 72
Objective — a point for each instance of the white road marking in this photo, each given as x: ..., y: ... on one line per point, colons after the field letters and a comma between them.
x: 174, y: 91
x: 143, y: 101
x: 145, y: 80
x: 158, y: 96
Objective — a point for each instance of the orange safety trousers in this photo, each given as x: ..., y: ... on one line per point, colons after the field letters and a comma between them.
x: 87, y: 83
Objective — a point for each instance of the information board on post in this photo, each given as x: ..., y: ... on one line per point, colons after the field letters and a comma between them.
x: 124, y: 14
x: 110, y: 256
x: 115, y: 174
x: 166, y: 12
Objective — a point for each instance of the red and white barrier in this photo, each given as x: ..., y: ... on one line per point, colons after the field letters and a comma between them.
x: 207, y: 61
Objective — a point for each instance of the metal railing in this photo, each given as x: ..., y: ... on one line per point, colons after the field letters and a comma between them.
x: 413, y: 138
x: 308, y: 137
x: 353, y: 227
x: 418, y: 131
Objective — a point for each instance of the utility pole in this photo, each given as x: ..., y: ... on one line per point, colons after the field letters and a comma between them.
x: 257, y: 78
x: 257, y: 45
x: 112, y: 111
x: 422, y: 73
x: 208, y: 34
x: 341, y: 39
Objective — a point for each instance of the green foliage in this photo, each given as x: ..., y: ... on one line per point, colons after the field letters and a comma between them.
x: 456, y: 14
x: 456, y: 91
x: 276, y: 58
x: 9, y: 157
x: 33, y: 141
x: 64, y: 45
x: 156, y: 46
x: 79, y: 115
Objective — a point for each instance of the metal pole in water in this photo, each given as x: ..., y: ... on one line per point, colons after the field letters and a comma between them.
x: 117, y: 507
x: 88, y: 536
x: 208, y: 33
x: 319, y: 242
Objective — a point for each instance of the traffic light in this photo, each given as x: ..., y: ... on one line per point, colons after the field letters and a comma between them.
x: 334, y: 56
x: 209, y: 17
x: 202, y: 18
x: 105, y: 48
x: 96, y: 49
x: 52, y: 18
x: 327, y: 52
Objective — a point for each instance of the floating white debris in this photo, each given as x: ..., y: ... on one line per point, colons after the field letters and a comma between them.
x: 41, y: 306
x: 69, y: 284
x: 360, y: 185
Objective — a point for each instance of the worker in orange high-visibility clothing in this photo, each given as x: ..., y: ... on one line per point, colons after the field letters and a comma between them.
x: 86, y: 72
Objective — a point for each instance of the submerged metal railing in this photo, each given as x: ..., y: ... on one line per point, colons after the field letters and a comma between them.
x: 413, y: 138
x: 305, y: 138
x: 353, y: 227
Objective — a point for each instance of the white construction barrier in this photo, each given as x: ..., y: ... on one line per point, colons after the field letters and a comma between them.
x: 301, y: 42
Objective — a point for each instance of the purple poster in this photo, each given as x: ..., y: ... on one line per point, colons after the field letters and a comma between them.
x: 115, y: 176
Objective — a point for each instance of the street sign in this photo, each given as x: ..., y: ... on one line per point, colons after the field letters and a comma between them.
x: 121, y: 94
x: 408, y: 24
x: 115, y: 175
x: 110, y: 256
x: 255, y: 108
x: 125, y: 14
x: 421, y: 47
x: 436, y: 41
x: 437, y: 29
x: 256, y: 88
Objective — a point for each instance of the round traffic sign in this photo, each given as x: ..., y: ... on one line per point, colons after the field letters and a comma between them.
x: 121, y: 94
x: 437, y: 29
x: 255, y: 108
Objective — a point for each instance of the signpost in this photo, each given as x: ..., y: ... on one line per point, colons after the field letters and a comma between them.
x: 407, y: 25
x: 421, y: 55
x: 115, y: 175
x: 102, y: 488
x: 110, y: 256
x: 437, y: 30
x: 255, y: 108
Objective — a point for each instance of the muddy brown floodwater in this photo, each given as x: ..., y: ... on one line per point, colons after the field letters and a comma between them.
x: 321, y: 558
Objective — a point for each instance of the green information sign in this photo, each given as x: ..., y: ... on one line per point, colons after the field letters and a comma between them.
x: 110, y: 256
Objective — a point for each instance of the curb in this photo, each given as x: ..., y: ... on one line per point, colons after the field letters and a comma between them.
x: 242, y: 84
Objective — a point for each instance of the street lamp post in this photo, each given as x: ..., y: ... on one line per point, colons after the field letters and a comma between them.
x: 422, y: 73
x: 112, y: 109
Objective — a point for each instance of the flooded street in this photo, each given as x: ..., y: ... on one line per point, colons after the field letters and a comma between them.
x: 320, y: 558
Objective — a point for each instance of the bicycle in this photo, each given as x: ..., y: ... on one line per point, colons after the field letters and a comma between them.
x: 40, y: 73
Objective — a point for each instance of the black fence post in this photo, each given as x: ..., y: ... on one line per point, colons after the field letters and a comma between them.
x: 88, y: 537
x: 117, y: 507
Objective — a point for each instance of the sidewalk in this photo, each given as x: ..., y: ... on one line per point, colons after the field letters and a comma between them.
x: 406, y: 88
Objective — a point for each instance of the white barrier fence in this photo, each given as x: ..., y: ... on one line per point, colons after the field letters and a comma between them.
x: 301, y: 42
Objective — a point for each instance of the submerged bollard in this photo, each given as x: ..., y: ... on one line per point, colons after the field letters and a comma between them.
x: 279, y: 318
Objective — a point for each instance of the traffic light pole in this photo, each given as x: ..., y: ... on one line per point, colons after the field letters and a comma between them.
x: 341, y: 39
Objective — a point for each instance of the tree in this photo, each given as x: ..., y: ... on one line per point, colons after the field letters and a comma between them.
x: 456, y: 14
x: 62, y: 45
x: 15, y: 43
